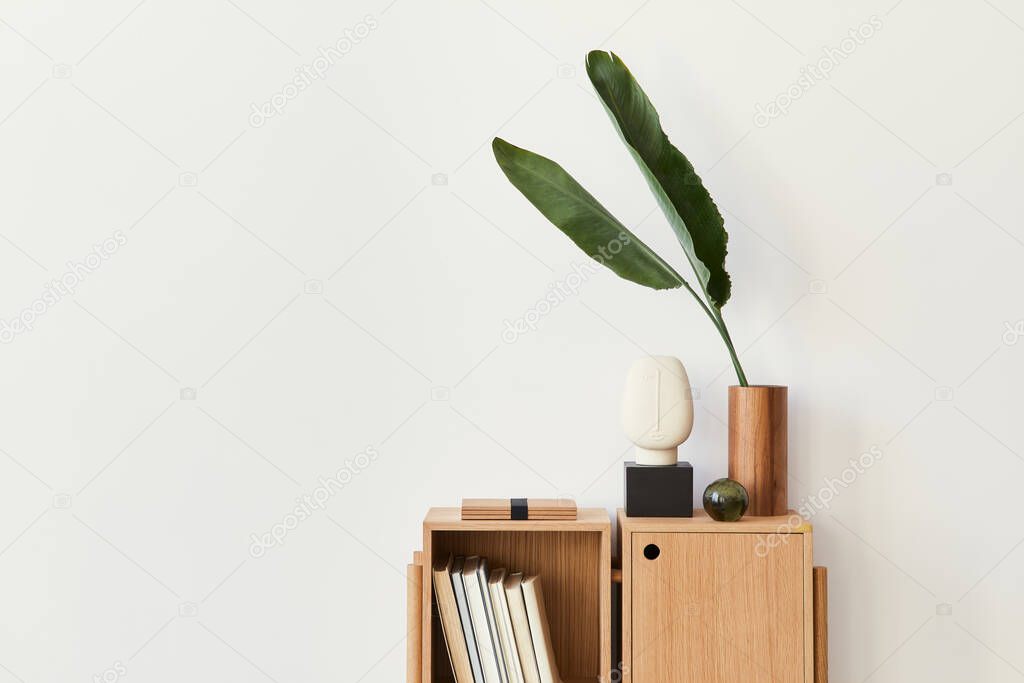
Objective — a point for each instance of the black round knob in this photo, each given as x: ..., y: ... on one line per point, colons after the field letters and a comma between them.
x: 652, y: 551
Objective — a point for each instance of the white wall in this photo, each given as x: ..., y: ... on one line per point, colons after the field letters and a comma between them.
x: 872, y: 284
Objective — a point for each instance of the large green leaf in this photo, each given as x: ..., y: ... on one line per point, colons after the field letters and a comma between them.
x: 575, y: 212
x: 688, y: 206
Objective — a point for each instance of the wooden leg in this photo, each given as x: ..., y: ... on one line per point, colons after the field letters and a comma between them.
x: 414, y: 625
x: 820, y: 625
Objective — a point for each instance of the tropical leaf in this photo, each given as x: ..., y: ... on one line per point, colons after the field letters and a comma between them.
x: 574, y: 211
x: 687, y: 205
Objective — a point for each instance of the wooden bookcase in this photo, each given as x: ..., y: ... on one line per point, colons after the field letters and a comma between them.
x: 573, y: 559
x: 717, y: 602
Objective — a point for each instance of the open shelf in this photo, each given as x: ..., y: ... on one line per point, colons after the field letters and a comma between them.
x: 573, y: 559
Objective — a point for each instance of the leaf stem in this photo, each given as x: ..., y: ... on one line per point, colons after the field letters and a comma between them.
x: 715, y: 314
x: 740, y: 375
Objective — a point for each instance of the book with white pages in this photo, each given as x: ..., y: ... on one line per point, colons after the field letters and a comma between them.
x: 521, y: 627
x: 459, y: 588
x: 451, y: 622
x: 474, y: 575
x: 503, y: 619
x: 540, y: 630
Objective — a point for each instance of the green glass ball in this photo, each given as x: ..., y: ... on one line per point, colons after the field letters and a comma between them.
x: 725, y: 500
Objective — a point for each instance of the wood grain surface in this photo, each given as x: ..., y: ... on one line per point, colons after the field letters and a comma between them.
x: 710, y: 609
x: 731, y: 595
x: 820, y: 625
x: 414, y: 624
x: 758, y: 446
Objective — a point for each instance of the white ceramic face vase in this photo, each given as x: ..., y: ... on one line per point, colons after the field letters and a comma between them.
x: 657, y: 409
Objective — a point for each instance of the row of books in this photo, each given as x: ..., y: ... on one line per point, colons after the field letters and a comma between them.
x: 494, y: 623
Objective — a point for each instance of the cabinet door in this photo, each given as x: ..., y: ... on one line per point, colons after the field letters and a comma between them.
x: 717, y: 608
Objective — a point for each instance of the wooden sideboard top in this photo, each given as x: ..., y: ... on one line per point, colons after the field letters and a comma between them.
x: 701, y: 523
x: 450, y: 519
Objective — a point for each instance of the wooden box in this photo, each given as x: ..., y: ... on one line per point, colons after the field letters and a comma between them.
x: 716, y: 602
x: 573, y: 559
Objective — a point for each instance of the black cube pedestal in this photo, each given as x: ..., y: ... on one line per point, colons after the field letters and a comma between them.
x: 659, y: 490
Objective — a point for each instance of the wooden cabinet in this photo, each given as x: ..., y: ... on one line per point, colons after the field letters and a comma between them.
x: 715, y: 602
x: 573, y: 559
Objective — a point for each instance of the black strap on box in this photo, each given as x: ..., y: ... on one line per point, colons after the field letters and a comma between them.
x: 520, y: 510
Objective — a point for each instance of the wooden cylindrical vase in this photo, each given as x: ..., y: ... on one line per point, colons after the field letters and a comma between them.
x: 758, y: 440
